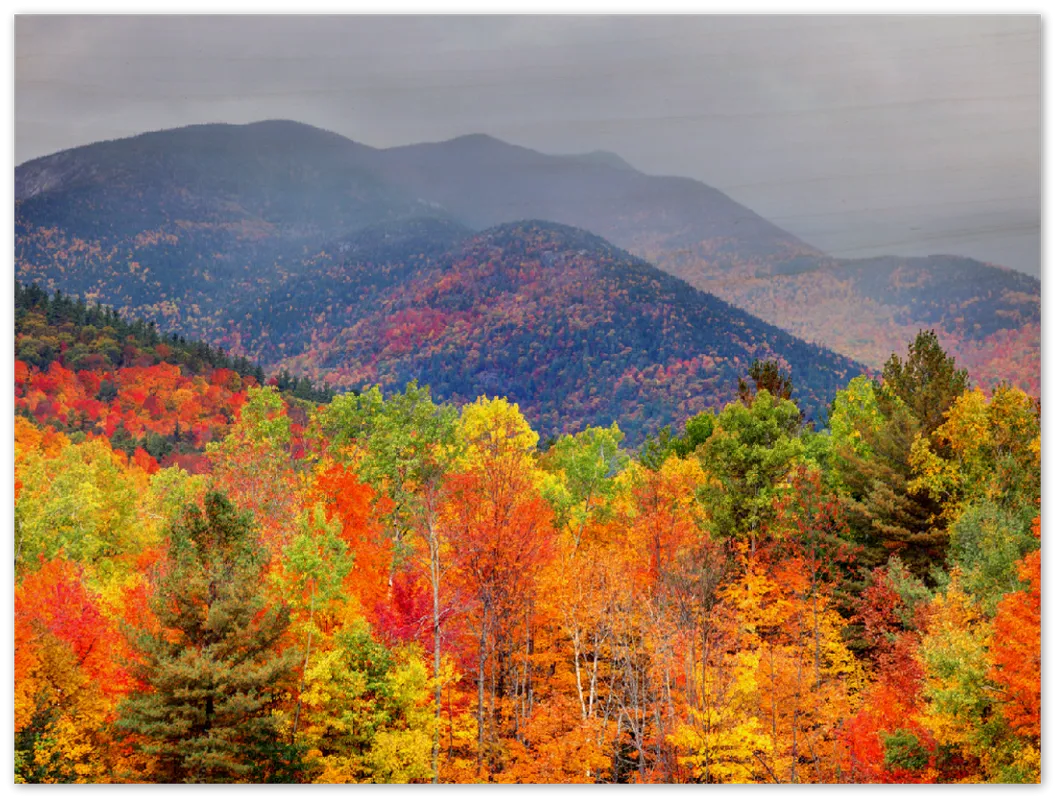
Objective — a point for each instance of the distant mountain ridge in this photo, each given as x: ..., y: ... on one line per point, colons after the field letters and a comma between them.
x: 184, y: 225
x: 281, y: 172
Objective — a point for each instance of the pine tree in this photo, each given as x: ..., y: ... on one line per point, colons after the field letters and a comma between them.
x: 765, y: 375
x: 888, y: 513
x: 212, y: 672
x: 887, y: 516
x: 927, y: 383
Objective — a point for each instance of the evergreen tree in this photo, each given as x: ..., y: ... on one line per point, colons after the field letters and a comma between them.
x: 213, y: 672
x: 886, y: 516
x: 927, y: 383
x: 886, y: 512
x: 765, y: 375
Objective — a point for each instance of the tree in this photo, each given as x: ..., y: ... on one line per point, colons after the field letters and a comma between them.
x: 765, y: 375
x: 67, y: 676
x: 953, y: 653
x: 698, y: 428
x: 367, y: 715
x: 987, y: 543
x: 885, y: 738
x: 81, y: 501
x: 1016, y: 660
x: 254, y: 467
x: 984, y: 450
x: 853, y: 415
x: 927, y: 383
x: 874, y: 432
x: 409, y: 443
x: 312, y: 574
x: 501, y: 533
x: 750, y: 453
x: 656, y: 449
x: 211, y: 673
x: 585, y: 467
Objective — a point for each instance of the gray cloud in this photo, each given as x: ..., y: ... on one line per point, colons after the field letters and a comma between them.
x: 862, y: 135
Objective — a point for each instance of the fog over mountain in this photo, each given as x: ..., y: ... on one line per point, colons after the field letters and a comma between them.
x: 859, y: 135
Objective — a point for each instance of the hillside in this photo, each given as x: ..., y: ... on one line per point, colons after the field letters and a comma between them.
x: 574, y: 330
x: 987, y: 317
x: 86, y: 371
x: 336, y: 286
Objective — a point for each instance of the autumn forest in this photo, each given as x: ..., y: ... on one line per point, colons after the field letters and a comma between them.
x: 460, y: 462
x: 228, y: 576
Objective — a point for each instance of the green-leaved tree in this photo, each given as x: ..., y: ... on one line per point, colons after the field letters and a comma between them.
x: 212, y: 673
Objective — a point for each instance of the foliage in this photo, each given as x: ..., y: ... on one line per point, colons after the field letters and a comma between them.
x: 927, y: 383
x: 1016, y: 655
x: 401, y: 586
x: 765, y: 375
x: 211, y: 673
x: 400, y: 590
x: 986, y: 450
x: 750, y: 452
x: 878, y: 430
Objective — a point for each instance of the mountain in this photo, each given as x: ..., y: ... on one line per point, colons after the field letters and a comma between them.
x: 987, y: 317
x: 175, y: 224
x: 573, y: 329
x: 483, y: 181
x: 185, y: 225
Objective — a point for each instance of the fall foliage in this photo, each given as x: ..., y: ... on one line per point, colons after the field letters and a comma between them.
x: 381, y: 587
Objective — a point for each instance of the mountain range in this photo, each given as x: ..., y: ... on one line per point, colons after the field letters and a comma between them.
x: 315, y: 253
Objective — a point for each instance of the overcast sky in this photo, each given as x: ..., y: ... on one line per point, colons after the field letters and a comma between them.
x: 868, y: 135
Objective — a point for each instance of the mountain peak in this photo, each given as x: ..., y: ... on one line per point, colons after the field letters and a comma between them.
x: 603, y: 157
x: 536, y: 234
x: 478, y: 139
